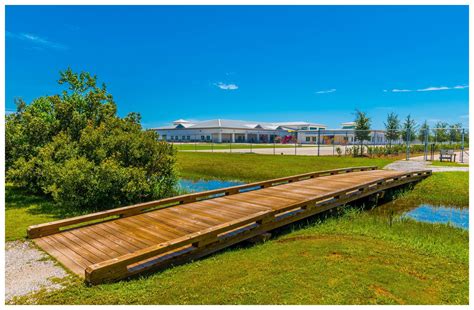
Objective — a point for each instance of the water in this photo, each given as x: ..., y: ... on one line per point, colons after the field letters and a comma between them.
x: 205, y: 185
x: 439, y: 214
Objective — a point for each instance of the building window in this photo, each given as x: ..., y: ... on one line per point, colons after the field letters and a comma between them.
x: 308, y: 139
x: 208, y: 137
x: 304, y: 128
x: 313, y: 128
x: 163, y: 137
x: 183, y: 138
x: 189, y: 137
x: 314, y: 139
x: 202, y: 137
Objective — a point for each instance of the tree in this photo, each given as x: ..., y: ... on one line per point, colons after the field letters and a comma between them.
x: 73, y: 147
x: 424, y: 129
x: 408, y: 129
x: 362, y: 129
x: 455, y: 132
x: 441, y: 132
x: 392, y: 128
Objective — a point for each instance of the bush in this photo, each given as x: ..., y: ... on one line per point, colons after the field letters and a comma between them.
x: 76, y: 149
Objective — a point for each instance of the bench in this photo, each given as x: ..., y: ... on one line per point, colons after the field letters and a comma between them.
x: 447, y: 154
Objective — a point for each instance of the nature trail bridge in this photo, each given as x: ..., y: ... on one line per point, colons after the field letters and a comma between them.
x: 115, y: 244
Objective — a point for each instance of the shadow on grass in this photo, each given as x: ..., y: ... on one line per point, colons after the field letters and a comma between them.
x: 18, y: 198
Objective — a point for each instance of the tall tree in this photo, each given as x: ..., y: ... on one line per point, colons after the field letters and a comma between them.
x: 455, y: 132
x: 392, y: 128
x: 362, y: 128
x: 408, y: 129
x: 441, y: 132
x: 424, y: 129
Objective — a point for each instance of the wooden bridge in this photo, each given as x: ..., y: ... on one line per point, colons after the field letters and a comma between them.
x: 118, y: 243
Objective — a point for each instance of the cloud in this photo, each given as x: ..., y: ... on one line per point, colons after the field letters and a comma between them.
x: 326, y: 91
x: 431, y: 88
x: 226, y: 86
x: 36, y: 40
x: 400, y: 90
x: 464, y: 116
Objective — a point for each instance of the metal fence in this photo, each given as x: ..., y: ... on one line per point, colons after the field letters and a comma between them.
x: 428, y: 144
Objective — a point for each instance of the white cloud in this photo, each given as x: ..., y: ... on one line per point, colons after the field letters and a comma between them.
x: 36, y: 40
x: 431, y: 88
x: 326, y: 91
x: 400, y: 90
x: 226, y: 86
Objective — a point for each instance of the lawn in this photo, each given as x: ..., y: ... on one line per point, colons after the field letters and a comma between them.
x: 317, y: 261
x: 314, y: 263
x: 255, y: 167
x: 446, y: 188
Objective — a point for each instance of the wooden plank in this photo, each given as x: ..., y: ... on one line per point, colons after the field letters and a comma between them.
x: 205, y: 226
x: 39, y: 230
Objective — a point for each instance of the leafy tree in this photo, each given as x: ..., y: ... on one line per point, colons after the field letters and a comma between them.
x: 425, y: 128
x: 362, y: 129
x: 73, y: 147
x: 408, y: 129
x: 455, y: 132
x: 392, y: 128
x: 441, y: 132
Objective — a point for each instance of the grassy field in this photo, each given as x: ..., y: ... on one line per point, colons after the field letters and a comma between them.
x: 447, y: 188
x: 312, y: 262
x: 315, y: 263
x: 255, y: 167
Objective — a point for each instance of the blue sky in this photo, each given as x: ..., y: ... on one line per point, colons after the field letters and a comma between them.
x: 258, y: 63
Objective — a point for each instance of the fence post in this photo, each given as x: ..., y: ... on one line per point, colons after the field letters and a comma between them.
x: 462, y: 146
x: 408, y: 143
x: 426, y: 145
x: 319, y: 138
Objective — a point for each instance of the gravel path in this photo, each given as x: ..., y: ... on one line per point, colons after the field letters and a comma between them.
x: 27, y: 270
x: 417, y: 164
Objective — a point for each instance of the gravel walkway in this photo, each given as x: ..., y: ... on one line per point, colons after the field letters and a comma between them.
x: 414, y: 164
x: 27, y: 270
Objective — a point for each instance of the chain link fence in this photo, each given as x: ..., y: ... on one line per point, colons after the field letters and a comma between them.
x: 420, y: 144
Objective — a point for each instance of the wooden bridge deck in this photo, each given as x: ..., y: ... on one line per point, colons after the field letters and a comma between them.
x: 156, y: 234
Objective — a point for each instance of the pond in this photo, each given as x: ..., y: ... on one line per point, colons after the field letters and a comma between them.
x: 191, y: 186
x: 458, y: 217
x: 440, y: 214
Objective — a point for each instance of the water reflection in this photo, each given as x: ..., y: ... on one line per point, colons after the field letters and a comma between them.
x: 434, y: 214
x: 205, y: 185
x: 458, y: 217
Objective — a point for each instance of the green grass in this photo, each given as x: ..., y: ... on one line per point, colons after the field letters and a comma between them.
x: 448, y: 164
x: 354, y: 259
x: 234, y: 146
x: 255, y: 167
x: 442, y: 188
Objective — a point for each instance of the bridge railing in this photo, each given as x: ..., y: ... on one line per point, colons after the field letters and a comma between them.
x: 50, y: 228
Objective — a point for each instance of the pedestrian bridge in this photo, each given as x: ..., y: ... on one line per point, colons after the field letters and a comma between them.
x: 118, y: 243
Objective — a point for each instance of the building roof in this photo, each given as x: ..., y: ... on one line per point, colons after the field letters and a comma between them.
x: 236, y: 124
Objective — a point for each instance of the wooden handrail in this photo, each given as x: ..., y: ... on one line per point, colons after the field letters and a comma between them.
x: 96, y: 272
x: 46, y: 229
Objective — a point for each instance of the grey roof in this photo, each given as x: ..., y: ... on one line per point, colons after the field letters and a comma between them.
x: 235, y: 124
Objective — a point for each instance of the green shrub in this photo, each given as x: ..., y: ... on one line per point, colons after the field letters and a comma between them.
x: 75, y: 148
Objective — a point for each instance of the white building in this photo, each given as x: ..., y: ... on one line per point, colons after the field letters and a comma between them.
x: 220, y: 130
